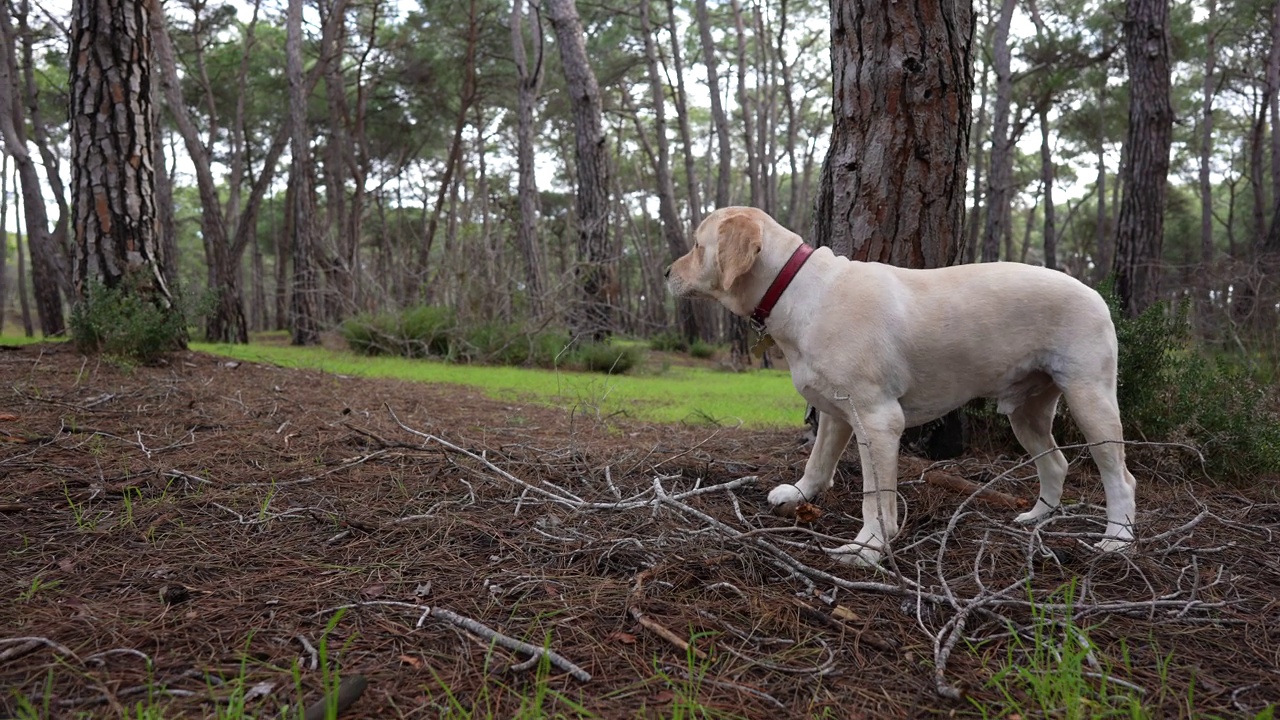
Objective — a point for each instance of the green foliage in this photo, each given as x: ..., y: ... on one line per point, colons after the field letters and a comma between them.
x: 418, y: 332
x: 701, y: 350
x: 606, y: 357
x: 669, y: 341
x: 125, y: 322
x: 1170, y: 391
x: 1057, y: 672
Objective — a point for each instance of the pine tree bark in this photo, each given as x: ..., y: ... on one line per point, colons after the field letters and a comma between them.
x: 528, y: 84
x: 591, y: 316
x: 305, y: 306
x: 112, y: 170
x: 1140, y: 226
x: 893, y: 182
x: 724, y: 158
x: 1206, y: 139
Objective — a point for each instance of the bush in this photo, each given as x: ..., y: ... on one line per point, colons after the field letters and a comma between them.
x: 669, y: 341
x: 415, y: 333
x: 1169, y: 391
x: 123, y: 322
x: 605, y: 357
x: 701, y: 350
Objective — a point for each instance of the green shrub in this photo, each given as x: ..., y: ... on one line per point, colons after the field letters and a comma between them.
x: 605, y: 357
x: 427, y: 330
x: 123, y: 322
x: 669, y: 341
x: 701, y: 350
x: 371, y: 334
x: 497, y: 343
x: 417, y: 332
x: 1169, y: 391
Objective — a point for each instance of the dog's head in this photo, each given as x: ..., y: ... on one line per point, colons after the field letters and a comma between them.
x: 719, y: 266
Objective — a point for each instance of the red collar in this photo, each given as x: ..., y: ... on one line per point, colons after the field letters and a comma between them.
x: 780, y: 283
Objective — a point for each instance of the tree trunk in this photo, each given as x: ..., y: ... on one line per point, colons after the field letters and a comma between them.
x: 4, y: 236
x: 682, y: 116
x: 976, y: 157
x: 49, y: 276
x: 305, y: 286
x: 1047, y: 173
x: 672, y: 229
x: 528, y: 83
x: 1206, y: 140
x: 1273, y: 87
x: 1140, y: 227
x: 113, y: 167
x: 718, y: 117
x: 50, y: 153
x: 748, y: 119
x: 226, y: 322
x: 893, y: 183
x: 893, y: 186
x: 1000, y: 178
x: 166, y: 224
x: 591, y: 316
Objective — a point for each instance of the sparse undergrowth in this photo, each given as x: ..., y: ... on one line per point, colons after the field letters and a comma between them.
x: 127, y: 323
x: 429, y: 331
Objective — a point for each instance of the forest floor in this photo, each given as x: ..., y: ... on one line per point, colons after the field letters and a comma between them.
x: 220, y: 538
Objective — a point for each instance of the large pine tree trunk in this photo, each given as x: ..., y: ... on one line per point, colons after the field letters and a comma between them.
x: 591, y: 316
x: 1140, y: 226
x: 893, y: 182
x: 893, y: 186
x: 112, y: 169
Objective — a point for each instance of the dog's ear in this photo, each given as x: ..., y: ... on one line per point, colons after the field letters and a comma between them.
x: 738, y: 247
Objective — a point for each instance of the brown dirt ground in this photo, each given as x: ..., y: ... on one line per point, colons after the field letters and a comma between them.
x: 173, y: 536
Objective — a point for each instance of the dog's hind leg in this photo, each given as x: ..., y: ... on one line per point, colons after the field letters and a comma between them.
x: 1097, y: 412
x: 1032, y: 423
x: 832, y: 438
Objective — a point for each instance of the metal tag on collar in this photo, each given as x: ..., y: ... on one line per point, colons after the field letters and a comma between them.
x: 762, y: 345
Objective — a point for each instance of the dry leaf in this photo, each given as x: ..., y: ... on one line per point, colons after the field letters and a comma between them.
x: 624, y: 638
x: 411, y: 660
x: 374, y: 590
x: 7, y: 417
x: 807, y: 512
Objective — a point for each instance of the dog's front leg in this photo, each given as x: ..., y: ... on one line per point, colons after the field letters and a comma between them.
x: 833, y: 437
x: 879, y: 435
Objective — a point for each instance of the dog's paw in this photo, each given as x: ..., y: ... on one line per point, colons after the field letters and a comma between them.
x: 784, y: 500
x: 1114, y: 544
x: 857, y: 555
x: 1039, y: 510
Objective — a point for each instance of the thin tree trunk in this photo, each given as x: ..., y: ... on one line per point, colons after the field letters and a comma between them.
x: 1000, y: 180
x: 305, y: 286
x: 49, y: 276
x: 973, y: 237
x: 591, y: 317
x: 718, y: 117
x: 24, y: 304
x: 748, y: 120
x: 1273, y: 88
x: 226, y: 323
x: 528, y: 83
x: 47, y: 147
x: 4, y: 236
x: 1140, y: 227
x: 1047, y: 173
x: 1206, y: 140
x: 167, y: 226
x: 672, y: 229
x: 682, y: 116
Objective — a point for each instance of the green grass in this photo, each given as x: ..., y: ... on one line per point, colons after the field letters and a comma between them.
x: 757, y: 399
x: 14, y: 336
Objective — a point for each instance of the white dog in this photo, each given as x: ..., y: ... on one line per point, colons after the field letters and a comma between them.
x: 877, y: 349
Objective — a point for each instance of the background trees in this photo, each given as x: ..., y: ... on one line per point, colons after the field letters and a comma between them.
x: 444, y: 142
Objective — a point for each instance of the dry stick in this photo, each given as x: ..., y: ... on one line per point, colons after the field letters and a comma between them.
x: 24, y: 641
x: 476, y: 628
x: 561, y: 496
x: 654, y: 625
